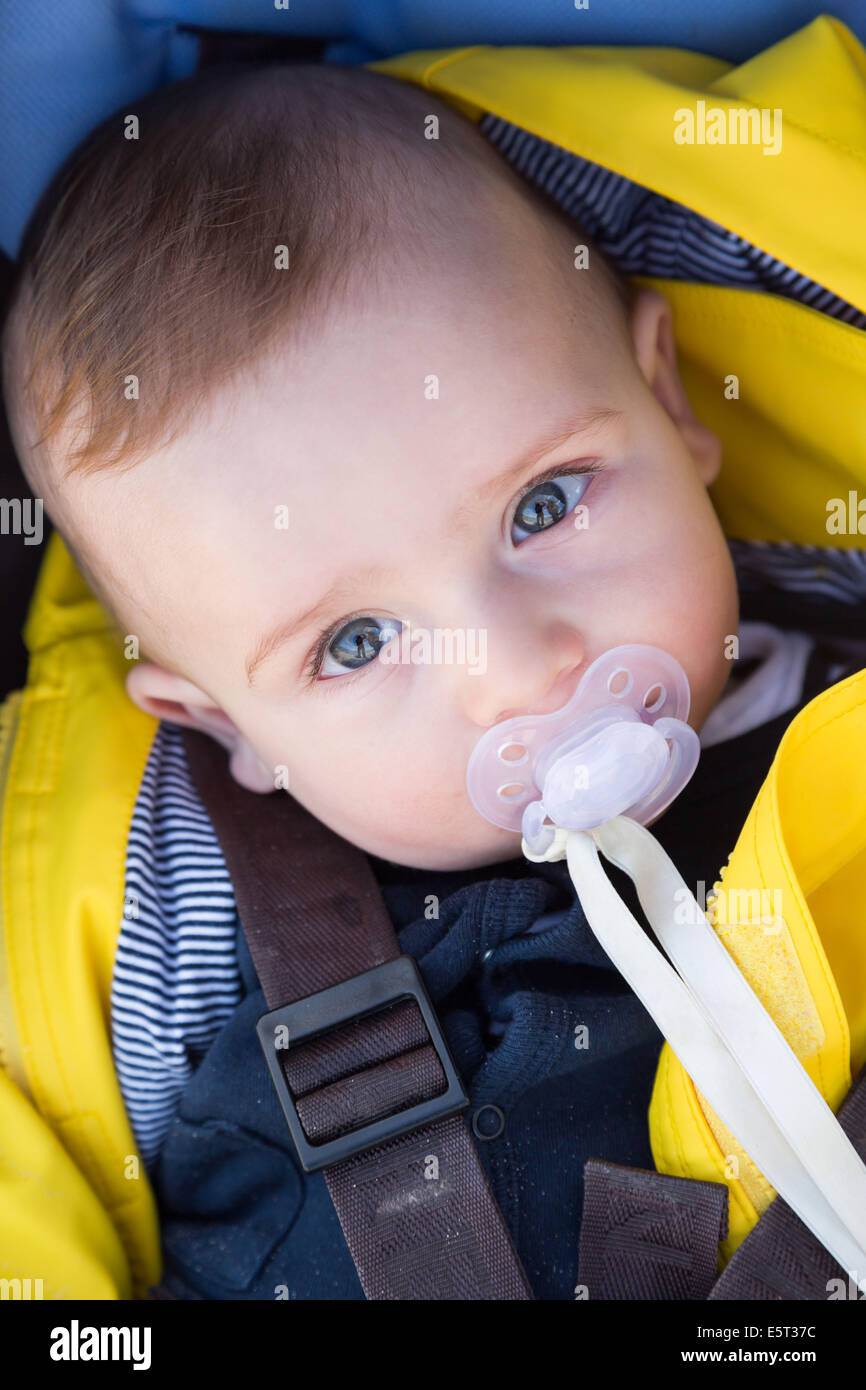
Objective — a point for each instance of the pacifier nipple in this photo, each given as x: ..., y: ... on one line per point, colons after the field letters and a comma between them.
x: 620, y: 746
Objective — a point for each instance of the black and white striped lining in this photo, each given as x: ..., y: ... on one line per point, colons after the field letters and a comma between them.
x: 815, y: 571
x: 176, y: 976
x: 642, y: 233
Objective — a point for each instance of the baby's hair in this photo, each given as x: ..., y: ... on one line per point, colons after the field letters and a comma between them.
x: 155, y: 259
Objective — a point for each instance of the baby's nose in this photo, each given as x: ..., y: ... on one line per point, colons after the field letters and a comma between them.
x: 537, y: 679
x: 557, y: 695
x: 534, y: 652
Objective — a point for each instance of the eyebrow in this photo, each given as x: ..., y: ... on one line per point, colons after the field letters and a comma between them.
x: 347, y: 585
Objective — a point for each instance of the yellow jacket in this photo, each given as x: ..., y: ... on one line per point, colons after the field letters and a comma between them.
x: 76, y: 1207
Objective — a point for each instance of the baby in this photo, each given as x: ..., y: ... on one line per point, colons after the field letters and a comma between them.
x: 302, y: 366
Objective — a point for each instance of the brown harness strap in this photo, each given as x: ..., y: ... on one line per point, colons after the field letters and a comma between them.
x: 647, y: 1235
x: 780, y: 1258
x: 355, y: 1051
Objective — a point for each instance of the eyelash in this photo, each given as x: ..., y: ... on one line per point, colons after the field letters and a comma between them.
x: 326, y: 636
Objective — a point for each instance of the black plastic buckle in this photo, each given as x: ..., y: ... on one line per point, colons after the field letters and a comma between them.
x: 321, y: 1013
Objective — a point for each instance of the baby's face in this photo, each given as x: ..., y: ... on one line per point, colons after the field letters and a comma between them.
x: 371, y: 480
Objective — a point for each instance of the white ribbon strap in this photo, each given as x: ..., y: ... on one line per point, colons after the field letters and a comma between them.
x: 723, y: 1036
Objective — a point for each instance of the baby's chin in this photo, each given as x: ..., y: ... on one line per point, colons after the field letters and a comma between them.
x: 496, y: 848
x: 473, y: 853
x: 477, y: 848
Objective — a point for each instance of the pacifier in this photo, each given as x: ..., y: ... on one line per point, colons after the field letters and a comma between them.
x: 620, y: 746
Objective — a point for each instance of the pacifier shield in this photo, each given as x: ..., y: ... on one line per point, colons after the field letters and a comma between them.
x: 532, y: 759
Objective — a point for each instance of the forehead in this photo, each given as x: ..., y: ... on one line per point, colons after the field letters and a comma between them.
x: 360, y: 436
x: 448, y: 381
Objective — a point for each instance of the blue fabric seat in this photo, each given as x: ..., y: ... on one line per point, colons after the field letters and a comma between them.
x: 64, y: 70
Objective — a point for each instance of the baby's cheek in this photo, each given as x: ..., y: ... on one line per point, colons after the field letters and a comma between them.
x: 345, y: 781
x: 407, y: 804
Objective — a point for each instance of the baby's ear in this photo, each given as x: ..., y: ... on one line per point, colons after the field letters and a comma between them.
x: 168, y: 696
x: 652, y: 328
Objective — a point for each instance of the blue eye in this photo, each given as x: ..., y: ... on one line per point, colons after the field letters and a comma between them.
x: 549, y: 501
x: 354, y: 645
x: 357, y: 642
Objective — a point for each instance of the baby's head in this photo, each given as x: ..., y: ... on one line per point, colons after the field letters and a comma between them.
x: 292, y: 376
